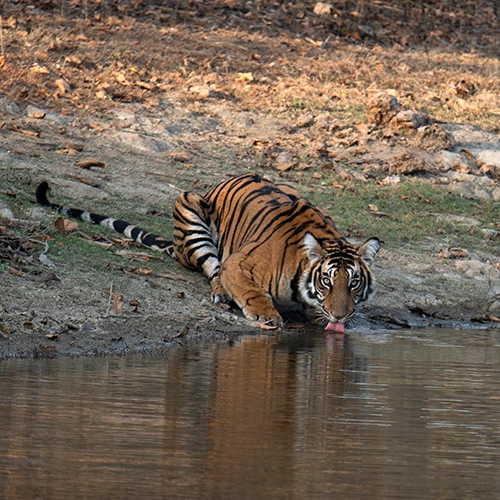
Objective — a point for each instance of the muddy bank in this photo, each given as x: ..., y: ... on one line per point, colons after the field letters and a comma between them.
x: 60, y: 305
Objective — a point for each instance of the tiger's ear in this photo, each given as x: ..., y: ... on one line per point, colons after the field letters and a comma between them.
x: 369, y: 249
x: 313, y: 249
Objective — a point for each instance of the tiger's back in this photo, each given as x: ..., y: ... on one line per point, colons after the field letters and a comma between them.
x: 250, y: 210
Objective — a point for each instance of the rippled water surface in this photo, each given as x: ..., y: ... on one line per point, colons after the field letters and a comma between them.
x: 382, y: 415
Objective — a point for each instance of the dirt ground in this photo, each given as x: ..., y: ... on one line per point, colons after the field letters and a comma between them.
x: 181, y: 98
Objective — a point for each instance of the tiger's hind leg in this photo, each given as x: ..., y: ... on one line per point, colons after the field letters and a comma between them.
x: 195, y: 240
x: 238, y: 278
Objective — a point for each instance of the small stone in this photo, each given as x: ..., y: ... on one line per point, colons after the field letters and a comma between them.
x: 434, y: 138
x: 323, y: 9
x: 410, y: 119
x: 305, y: 120
x: 201, y: 91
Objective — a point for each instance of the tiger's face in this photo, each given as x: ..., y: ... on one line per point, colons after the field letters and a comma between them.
x: 338, y: 277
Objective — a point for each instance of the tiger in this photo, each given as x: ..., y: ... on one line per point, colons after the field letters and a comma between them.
x: 262, y: 246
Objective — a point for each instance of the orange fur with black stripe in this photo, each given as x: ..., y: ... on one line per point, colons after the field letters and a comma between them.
x: 262, y: 246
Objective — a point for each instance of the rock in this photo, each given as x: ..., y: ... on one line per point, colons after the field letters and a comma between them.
x: 410, y: 119
x: 382, y: 108
x: 200, y: 91
x: 327, y: 122
x: 492, y: 171
x: 37, y: 212
x: 6, y: 213
x: 284, y: 158
x: 474, y: 186
x: 407, y: 164
x: 495, y: 307
x: 434, y: 138
x: 454, y: 161
x: 488, y: 156
x: 305, y: 120
x: 141, y: 142
x: 9, y: 107
x: 34, y: 112
x: 323, y: 9
x: 489, y: 234
x: 474, y: 268
x: 366, y: 31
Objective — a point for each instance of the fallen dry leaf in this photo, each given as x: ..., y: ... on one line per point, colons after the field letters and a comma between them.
x: 76, y: 147
x: 171, y: 276
x: 116, y: 304
x: 454, y: 253
x: 244, y: 77
x: 68, y: 151
x: 132, y: 254
x: 284, y: 167
x: 375, y: 211
x: 38, y: 115
x: 62, y: 85
x: 91, y: 163
x: 144, y: 85
x: 135, y: 304
x: 65, y: 226
x: 182, y: 156
x: 31, y: 133
x: 422, y: 197
x: 73, y: 60
x: 4, y: 332
x: 144, y: 271
x: 363, y: 128
x: 183, y: 332
x: 102, y: 244
x: 36, y: 68
x: 86, y: 180
x: 121, y: 79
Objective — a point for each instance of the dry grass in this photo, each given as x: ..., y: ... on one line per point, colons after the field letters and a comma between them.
x: 145, y: 54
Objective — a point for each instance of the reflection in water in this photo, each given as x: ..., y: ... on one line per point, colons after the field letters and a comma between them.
x: 388, y: 415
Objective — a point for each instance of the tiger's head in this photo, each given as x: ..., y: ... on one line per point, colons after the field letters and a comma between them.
x: 338, y: 277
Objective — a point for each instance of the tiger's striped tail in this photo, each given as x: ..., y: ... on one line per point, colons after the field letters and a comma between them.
x: 153, y: 241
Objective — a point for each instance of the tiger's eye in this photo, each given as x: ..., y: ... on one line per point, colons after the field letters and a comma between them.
x: 326, y: 282
x: 355, y: 282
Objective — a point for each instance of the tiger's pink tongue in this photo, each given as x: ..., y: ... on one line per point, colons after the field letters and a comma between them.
x: 335, y: 327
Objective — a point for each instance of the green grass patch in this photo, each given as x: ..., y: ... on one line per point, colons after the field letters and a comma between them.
x: 80, y: 253
x: 414, y: 211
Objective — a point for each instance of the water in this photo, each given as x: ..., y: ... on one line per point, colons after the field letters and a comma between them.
x: 410, y: 415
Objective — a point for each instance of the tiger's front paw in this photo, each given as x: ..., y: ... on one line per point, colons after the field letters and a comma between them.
x: 265, y: 319
x: 219, y: 294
